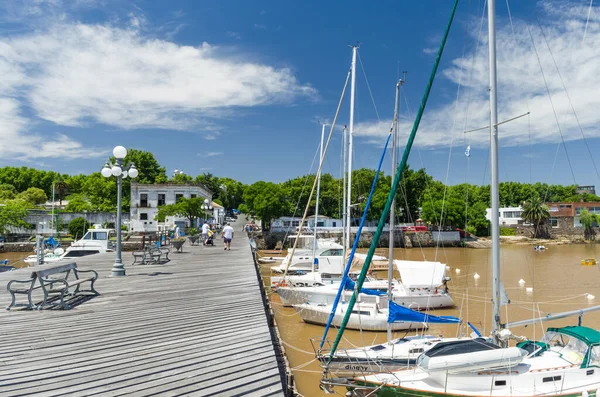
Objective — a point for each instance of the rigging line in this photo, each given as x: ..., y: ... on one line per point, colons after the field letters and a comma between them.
x: 362, y: 67
x: 487, y: 127
x: 306, y: 178
x: 569, y: 97
x: 478, y: 42
x: 551, y: 103
x: 318, y: 171
x: 587, y: 22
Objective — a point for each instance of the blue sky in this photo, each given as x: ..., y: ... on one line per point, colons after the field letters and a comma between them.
x: 237, y: 88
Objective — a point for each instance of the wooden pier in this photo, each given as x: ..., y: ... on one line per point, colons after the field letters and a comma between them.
x: 195, y: 326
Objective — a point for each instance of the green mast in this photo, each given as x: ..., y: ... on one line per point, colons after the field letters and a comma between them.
x: 388, y: 203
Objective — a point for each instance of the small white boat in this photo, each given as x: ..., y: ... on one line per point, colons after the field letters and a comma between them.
x: 95, y: 241
x: 49, y: 257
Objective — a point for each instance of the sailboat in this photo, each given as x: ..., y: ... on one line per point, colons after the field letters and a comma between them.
x: 564, y: 363
x: 312, y: 299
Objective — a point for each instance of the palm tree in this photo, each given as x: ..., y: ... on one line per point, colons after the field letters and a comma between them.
x: 587, y: 221
x: 537, y: 213
x: 60, y: 187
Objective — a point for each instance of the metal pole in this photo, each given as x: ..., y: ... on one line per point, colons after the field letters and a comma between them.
x: 350, y: 135
x: 317, y: 198
x: 344, y: 198
x: 495, y: 196
x: 118, y: 268
x: 392, y: 214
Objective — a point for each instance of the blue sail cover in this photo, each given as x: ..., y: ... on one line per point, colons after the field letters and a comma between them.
x: 401, y: 313
x: 349, y: 285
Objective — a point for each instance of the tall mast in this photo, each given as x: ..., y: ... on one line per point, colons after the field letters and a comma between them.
x: 350, y: 135
x: 317, y: 199
x: 344, y: 198
x: 494, y: 170
x: 392, y: 214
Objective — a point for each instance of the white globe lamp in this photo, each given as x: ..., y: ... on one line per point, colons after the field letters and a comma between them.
x: 119, y: 152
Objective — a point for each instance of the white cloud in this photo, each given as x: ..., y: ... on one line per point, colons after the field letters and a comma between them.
x: 212, y: 154
x: 521, y: 87
x: 259, y: 26
x: 75, y: 74
x: 234, y: 35
x: 17, y: 143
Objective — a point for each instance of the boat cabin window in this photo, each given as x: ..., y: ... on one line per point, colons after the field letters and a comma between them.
x: 100, y: 236
x: 500, y: 383
x: 551, y: 379
x: 88, y: 236
x: 332, y: 252
x: 361, y: 312
x: 571, y: 348
x: 594, y: 357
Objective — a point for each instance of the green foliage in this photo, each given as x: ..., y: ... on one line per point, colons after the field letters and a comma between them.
x: 182, y: 179
x: 13, y: 213
x: 149, y: 170
x: 508, y: 231
x: 7, y: 191
x: 536, y: 213
x: 192, y: 231
x: 190, y: 208
x: 267, y: 201
x: 33, y: 195
x: 78, y: 227
x: 61, y: 187
x: 587, y: 220
x: 78, y: 203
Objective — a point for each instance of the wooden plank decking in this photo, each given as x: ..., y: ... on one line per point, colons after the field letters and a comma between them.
x: 195, y: 326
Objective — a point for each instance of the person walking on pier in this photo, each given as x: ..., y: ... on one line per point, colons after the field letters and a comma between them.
x: 205, y: 233
x: 227, y: 235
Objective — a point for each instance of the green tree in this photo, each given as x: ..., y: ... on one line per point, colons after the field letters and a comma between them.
x: 78, y: 203
x: 61, y: 187
x: 190, y: 208
x: 12, y: 213
x: 33, y: 195
x: 587, y: 220
x: 149, y: 170
x: 7, y: 191
x: 536, y: 213
x: 411, y: 192
x: 211, y: 182
x: 78, y: 227
x: 265, y: 200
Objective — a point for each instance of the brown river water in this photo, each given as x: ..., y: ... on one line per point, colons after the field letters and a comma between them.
x: 559, y: 282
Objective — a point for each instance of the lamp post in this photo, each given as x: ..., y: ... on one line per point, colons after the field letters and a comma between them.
x: 119, y: 170
x: 207, y: 206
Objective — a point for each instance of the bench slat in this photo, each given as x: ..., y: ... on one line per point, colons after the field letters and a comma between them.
x: 53, y: 270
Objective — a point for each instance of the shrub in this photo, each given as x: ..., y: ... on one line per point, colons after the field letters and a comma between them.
x: 77, y: 227
x: 192, y: 231
x: 508, y: 231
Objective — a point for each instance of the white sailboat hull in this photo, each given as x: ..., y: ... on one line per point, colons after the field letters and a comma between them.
x: 398, y: 354
x: 421, y: 300
x: 365, y: 317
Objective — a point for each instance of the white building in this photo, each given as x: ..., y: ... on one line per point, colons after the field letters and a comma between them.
x: 145, y: 200
x: 288, y: 223
x: 508, y: 215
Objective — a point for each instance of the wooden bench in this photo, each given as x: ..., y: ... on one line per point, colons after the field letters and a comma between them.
x: 58, y: 285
